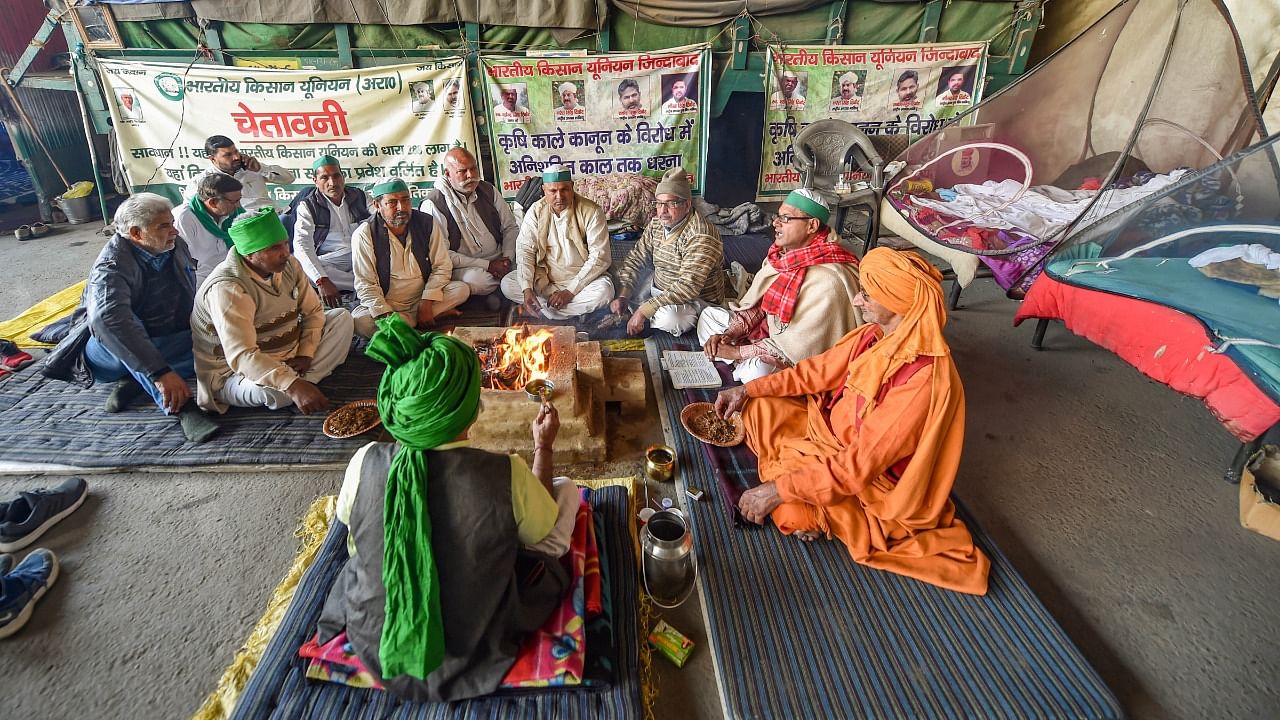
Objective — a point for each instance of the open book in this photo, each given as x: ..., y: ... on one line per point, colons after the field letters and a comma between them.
x: 690, y: 369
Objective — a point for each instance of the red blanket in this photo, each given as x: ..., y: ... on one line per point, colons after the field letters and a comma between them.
x: 1162, y: 343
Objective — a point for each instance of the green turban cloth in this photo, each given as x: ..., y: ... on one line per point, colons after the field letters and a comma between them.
x: 215, y: 227
x: 808, y: 201
x: 257, y: 231
x: 429, y: 394
x: 325, y: 160
x: 390, y: 186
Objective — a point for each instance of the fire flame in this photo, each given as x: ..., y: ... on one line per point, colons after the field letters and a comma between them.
x: 516, y: 358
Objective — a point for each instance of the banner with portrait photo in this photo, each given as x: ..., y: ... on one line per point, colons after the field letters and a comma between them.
x: 395, y: 121
x: 893, y: 93
x: 613, y: 113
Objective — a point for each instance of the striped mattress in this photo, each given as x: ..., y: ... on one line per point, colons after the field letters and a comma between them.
x: 799, y: 630
x: 278, y: 689
x: 57, y: 423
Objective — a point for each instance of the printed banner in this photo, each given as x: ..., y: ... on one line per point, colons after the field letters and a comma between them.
x: 887, y: 91
x: 641, y: 113
x: 381, y: 123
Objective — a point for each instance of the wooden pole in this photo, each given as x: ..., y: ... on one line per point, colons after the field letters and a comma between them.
x: 13, y: 99
x: 89, y: 136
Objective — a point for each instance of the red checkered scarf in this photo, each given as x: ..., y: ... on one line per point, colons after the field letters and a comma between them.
x: 780, y: 298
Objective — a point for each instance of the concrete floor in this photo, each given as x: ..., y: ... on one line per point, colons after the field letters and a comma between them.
x: 1102, y: 487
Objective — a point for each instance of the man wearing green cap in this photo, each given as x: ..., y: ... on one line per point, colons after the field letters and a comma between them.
x: 675, y: 270
x: 798, y: 305
x: 562, y: 253
x: 325, y: 218
x: 260, y: 335
x: 451, y: 558
x: 401, y: 263
x: 204, y: 219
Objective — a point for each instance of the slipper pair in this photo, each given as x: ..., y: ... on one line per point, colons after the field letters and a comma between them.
x: 26, y: 232
x: 12, y: 357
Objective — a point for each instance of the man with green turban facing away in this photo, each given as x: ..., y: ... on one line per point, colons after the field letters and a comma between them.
x: 260, y: 335
x: 453, y: 550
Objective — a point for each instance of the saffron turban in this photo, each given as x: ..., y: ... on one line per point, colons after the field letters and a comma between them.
x: 906, y: 284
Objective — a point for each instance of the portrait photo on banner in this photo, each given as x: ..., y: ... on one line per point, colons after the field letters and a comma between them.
x: 632, y: 98
x: 454, y: 98
x: 511, y: 103
x: 955, y: 86
x: 678, y: 93
x: 129, y: 105
x: 846, y: 89
x: 567, y: 99
x: 905, y: 93
x: 793, y: 89
x: 421, y: 96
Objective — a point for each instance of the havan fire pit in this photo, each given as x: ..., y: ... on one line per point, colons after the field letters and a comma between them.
x: 584, y: 381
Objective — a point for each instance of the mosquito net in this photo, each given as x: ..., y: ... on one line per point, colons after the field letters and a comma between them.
x: 1207, y: 245
x: 1152, y: 92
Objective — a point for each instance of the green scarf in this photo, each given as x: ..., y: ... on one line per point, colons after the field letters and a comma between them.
x: 429, y: 394
x: 202, y: 214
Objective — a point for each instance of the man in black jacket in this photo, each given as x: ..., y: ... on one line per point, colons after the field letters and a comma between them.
x: 138, y: 305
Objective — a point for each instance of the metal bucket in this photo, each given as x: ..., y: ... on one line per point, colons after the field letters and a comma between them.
x: 669, y: 565
x: 78, y: 210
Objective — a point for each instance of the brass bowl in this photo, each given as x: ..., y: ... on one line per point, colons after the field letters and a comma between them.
x: 539, y: 389
x: 660, y: 462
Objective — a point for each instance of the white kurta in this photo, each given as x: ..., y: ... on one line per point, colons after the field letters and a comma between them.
x: 562, y: 261
x: 407, y: 287
x: 206, y: 248
x: 330, y: 256
x: 567, y: 262
x: 254, y: 193
x: 477, y: 246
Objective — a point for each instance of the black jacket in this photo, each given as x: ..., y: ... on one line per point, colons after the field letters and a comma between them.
x: 117, y: 278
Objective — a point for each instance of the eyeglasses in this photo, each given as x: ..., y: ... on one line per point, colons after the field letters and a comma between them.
x: 789, y: 218
x: 668, y: 204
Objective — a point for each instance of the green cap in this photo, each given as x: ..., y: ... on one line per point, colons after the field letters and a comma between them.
x: 808, y: 201
x: 325, y: 160
x: 257, y: 231
x: 389, y: 186
x: 556, y: 173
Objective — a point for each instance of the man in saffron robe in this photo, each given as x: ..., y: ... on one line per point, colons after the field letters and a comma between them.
x: 862, y: 442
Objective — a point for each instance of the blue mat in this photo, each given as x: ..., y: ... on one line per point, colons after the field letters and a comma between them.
x: 799, y: 630
x: 279, y: 690
x: 53, y: 422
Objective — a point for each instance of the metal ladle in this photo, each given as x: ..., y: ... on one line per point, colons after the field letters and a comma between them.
x: 539, y: 389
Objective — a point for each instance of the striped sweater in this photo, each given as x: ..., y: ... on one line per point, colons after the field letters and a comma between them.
x: 687, y: 264
x: 247, y: 325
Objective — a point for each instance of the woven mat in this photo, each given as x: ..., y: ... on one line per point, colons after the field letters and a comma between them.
x: 799, y: 630
x: 278, y: 689
x: 49, y: 423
